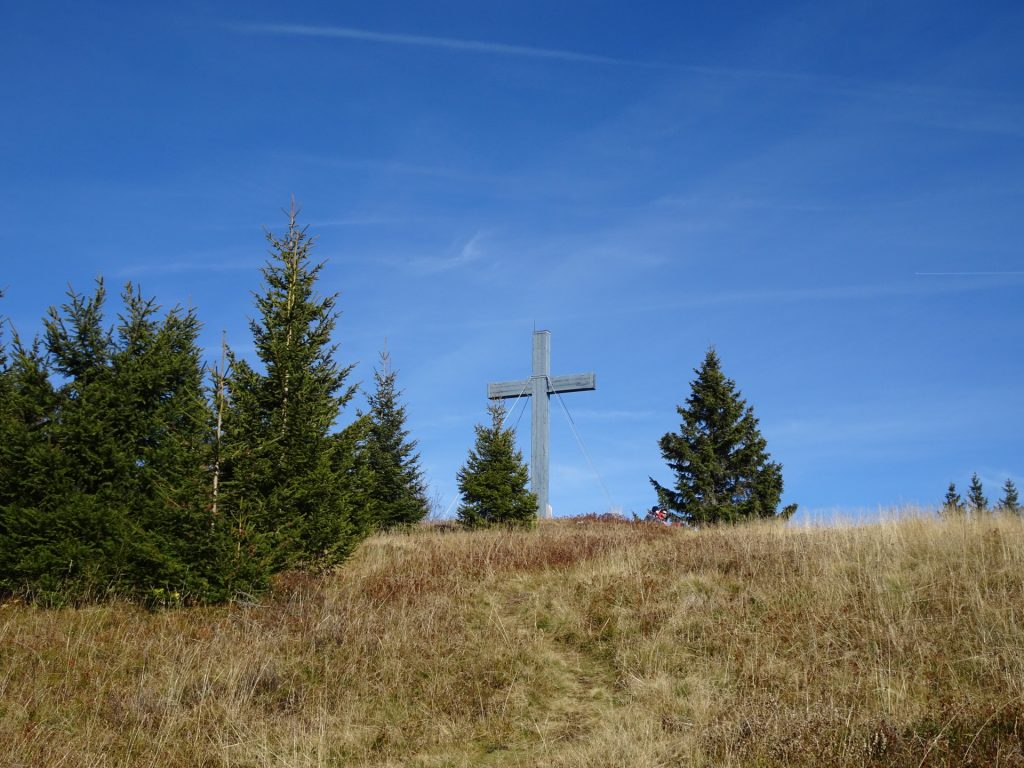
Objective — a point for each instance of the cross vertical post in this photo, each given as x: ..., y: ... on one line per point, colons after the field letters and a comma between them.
x: 540, y: 386
x: 540, y: 428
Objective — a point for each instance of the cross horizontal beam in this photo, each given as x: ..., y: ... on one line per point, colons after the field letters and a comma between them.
x: 575, y: 382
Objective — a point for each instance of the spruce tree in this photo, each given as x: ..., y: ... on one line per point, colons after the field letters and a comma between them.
x: 285, y: 483
x: 1010, y: 501
x: 68, y: 531
x: 3, y: 352
x: 27, y: 407
x: 396, y: 494
x: 723, y: 472
x: 976, y: 495
x: 9, y: 428
x: 107, y: 471
x: 82, y: 536
x: 952, y: 504
x: 162, y: 420
x: 493, y: 480
x: 6, y: 416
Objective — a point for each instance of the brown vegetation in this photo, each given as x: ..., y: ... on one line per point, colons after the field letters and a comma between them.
x: 586, y: 644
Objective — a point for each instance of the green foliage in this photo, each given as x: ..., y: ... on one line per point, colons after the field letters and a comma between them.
x: 27, y: 405
x: 104, y: 477
x: 117, y: 475
x: 395, y: 492
x: 284, y: 480
x: 976, y: 500
x: 1010, y: 501
x: 493, y: 480
x: 723, y: 473
x: 952, y: 504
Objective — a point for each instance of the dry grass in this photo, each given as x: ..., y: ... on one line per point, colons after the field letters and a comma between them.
x: 590, y: 645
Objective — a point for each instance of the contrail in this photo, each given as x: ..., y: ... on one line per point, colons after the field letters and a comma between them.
x: 841, y: 85
x: 423, y: 41
x: 964, y: 274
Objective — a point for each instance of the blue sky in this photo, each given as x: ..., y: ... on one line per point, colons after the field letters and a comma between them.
x: 831, y: 194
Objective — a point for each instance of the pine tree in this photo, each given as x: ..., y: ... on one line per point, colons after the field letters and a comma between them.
x: 952, y: 504
x: 493, y: 480
x: 396, y: 494
x: 284, y: 481
x: 1010, y: 502
x: 723, y: 471
x: 976, y: 496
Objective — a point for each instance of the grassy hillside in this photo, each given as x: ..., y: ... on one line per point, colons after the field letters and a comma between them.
x: 573, y: 645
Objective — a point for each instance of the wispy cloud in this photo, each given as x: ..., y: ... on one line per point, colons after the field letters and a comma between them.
x: 1004, y: 273
x: 842, y: 431
x: 790, y: 296
x: 392, y: 167
x: 184, y: 267
x: 701, y: 204
x: 592, y: 414
x: 841, y: 292
x: 831, y: 83
x: 491, y: 48
x: 469, y: 252
x: 374, y: 221
x: 425, y: 41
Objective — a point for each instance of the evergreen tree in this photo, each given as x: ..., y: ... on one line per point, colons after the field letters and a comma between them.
x: 6, y: 417
x: 952, y: 504
x: 76, y: 536
x: 27, y: 406
x: 1010, y: 502
x: 976, y: 496
x: 396, y: 494
x: 285, y: 482
x: 3, y: 352
x: 723, y: 471
x: 493, y: 480
x: 106, y: 472
x: 11, y: 431
x: 162, y: 420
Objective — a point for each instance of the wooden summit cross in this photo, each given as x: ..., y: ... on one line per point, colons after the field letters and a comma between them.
x: 540, y: 386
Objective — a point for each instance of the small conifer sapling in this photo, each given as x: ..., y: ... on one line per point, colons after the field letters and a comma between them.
x: 493, y: 480
x: 976, y: 495
x: 1010, y: 501
x: 952, y: 504
x: 395, y: 493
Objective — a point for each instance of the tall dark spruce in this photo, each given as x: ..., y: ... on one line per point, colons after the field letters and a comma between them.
x: 290, y: 486
x: 29, y: 481
x: 723, y: 472
x: 161, y: 406
x: 395, y: 493
x: 493, y: 479
x: 103, y: 484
